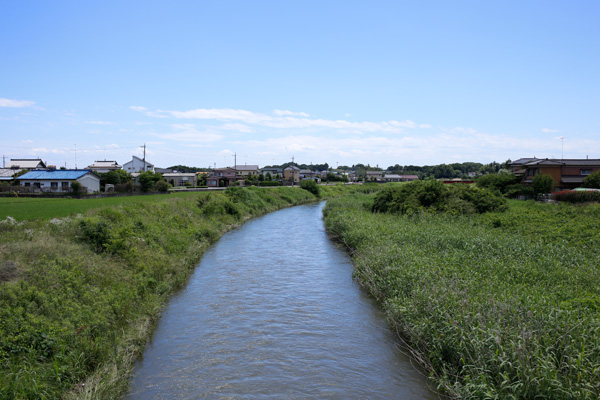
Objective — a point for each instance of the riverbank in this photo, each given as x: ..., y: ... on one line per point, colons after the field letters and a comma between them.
x: 80, y: 295
x: 502, y: 305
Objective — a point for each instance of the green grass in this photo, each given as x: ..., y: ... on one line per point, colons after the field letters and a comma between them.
x: 27, y: 208
x: 498, y: 306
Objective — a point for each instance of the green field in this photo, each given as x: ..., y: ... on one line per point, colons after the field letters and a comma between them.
x: 22, y: 208
x: 496, y: 306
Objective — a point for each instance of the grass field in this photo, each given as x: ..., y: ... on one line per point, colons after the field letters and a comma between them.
x: 27, y: 208
x: 497, y: 306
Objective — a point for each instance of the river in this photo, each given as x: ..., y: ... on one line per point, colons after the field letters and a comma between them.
x: 271, y: 312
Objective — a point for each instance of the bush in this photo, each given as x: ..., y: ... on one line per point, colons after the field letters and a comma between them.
x: 433, y: 195
x: 542, y: 183
x: 76, y: 187
x: 311, y: 186
x: 592, y: 181
x: 577, y: 196
x: 161, y: 186
x: 501, y: 181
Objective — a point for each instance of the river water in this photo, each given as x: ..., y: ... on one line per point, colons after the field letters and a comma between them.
x: 272, y: 312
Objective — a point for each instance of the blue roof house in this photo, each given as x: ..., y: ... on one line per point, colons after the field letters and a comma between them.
x: 60, y: 180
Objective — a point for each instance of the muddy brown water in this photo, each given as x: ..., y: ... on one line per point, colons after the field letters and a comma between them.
x: 272, y: 312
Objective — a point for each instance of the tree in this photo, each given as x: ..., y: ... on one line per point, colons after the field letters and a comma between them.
x: 148, y: 179
x: 542, y: 183
x: 76, y: 187
x: 592, y: 181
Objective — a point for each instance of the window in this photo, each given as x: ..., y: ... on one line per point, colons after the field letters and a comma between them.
x: 27, y: 184
x: 54, y: 185
x: 586, y: 172
x: 64, y: 185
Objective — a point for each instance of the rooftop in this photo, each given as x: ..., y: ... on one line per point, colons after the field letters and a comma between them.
x: 66, y: 174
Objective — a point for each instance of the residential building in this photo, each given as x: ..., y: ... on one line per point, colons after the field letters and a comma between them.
x: 244, y: 171
x: 6, y: 174
x: 273, y: 171
x: 26, y: 163
x: 374, y: 176
x: 60, y: 180
x: 400, y: 178
x: 291, y: 173
x: 138, y: 165
x: 566, y: 173
x: 221, y: 177
x: 181, y: 178
x: 104, y: 166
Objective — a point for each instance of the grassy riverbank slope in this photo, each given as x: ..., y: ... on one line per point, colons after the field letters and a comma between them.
x: 79, y: 295
x: 497, y: 306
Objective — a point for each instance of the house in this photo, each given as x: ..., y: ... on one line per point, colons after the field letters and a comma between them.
x: 26, y: 163
x: 6, y: 174
x: 104, y: 166
x: 566, y: 173
x: 138, y: 165
x: 221, y: 177
x: 291, y: 173
x: 60, y: 180
x: 374, y: 176
x: 273, y: 171
x: 400, y: 178
x: 181, y: 178
x: 244, y: 171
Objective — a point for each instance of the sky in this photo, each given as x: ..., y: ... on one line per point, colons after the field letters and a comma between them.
x: 206, y: 83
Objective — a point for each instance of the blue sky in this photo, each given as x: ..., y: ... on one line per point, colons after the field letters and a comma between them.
x: 342, y: 82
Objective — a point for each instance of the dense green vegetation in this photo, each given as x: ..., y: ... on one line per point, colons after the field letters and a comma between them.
x: 432, y: 195
x: 79, y: 295
x: 496, y: 306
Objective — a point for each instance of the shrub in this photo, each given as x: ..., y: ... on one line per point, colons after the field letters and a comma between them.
x: 76, y: 187
x: 592, y: 181
x: 433, y: 195
x: 161, y: 186
x: 542, y: 183
x: 500, y: 181
x: 311, y: 186
x: 576, y: 196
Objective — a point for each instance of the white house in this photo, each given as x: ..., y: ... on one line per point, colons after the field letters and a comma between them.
x: 60, y: 180
x: 104, y: 166
x: 137, y: 165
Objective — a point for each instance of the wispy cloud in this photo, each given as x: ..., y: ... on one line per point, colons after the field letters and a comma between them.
x: 16, y: 103
x: 285, y: 120
x: 290, y: 113
x: 546, y: 130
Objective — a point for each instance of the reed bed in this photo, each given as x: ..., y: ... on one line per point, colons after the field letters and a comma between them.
x: 493, y: 311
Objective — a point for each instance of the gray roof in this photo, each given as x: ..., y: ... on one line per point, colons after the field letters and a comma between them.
x: 26, y: 163
x: 584, y: 162
x: 104, y: 164
x: 246, y: 167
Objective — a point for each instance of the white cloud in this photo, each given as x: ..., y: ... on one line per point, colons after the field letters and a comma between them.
x: 290, y: 113
x: 288, y: 120
x: 189, y: 133
x: 546, y: 130
x: 16, y: 103
x: 138, y: 108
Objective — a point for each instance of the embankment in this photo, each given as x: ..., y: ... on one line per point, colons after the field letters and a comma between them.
x: 79, y: 296
x: 496, y: 307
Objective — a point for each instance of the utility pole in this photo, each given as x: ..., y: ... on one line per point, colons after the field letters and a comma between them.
x: 234, y: 168
x: 75, y: 155
x: 144, y: 146
x: 3, y: 161
x: 292, y: 171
